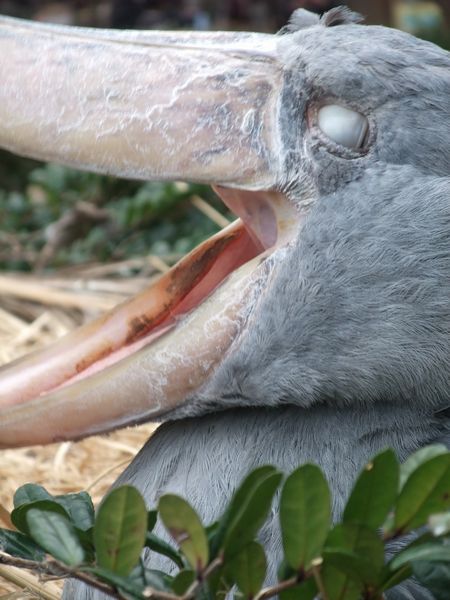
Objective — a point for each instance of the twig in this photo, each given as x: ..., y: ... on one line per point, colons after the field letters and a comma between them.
x: 107, y: 472
x: 57, y: 569
x: 192, y: 589
x: 39, y: 292
x: 208, y: 210
x: 269, y: 592
x: 26, y: 581
x: 316, y: 563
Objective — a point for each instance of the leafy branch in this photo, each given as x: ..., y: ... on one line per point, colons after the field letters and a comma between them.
x: 61, y: 536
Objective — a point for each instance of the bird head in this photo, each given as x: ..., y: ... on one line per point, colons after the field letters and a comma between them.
x: 329, y: 142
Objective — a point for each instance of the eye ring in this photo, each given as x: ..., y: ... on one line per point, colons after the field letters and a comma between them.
x: 353, y: 131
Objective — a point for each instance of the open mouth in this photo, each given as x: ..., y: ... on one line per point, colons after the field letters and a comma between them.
x: 157, y: 348
x: 189, y: 106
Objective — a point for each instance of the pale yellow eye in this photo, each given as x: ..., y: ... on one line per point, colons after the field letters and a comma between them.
x: 343, y: 126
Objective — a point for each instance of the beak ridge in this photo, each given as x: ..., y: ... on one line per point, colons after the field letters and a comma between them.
x: 152, y: 105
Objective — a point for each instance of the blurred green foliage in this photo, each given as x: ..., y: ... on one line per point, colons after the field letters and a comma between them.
x: 122, y: 218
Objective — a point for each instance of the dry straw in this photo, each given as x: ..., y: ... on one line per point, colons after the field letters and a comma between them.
x: 33, y: 312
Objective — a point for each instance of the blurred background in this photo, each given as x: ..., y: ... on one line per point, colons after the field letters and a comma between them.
x: 257, y: 15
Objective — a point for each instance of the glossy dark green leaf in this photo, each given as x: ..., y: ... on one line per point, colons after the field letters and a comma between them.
x: 285, y: 571
x: 86, y: 539
x: 304, y: 591
x: 374, y: 492
x: 426, y: 492
x: 241, y: 497
x: 305, y: 514
x: 431, y: 552
x: 160, y: 546
x: 219, y: 584
x: 30, y: 492
x: 19, y: 514
x: 56, y: 535
x: 79, y: 508
x: 390, y: 578
x: 248, y: 569
x: 158, y: 580
x: 349, y: 563
x: 253, y: 512
x: 151, y: 519
x: 353, y: 556
x: 120, y: 529
x: 435, y: 577
x: 418, y: 458
x: 182, y: 581
x: 131, y: 588
x: 184, y: 525
x: 211, y: 530
x: 20, y: 545
x: 340, y: 586
x: 398, y: 574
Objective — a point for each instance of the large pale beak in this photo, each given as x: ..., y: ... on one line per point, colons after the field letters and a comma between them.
x: 198, y: 107
x: 147, y: 105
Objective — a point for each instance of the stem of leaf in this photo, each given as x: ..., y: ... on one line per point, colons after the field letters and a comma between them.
x: 316, y: 573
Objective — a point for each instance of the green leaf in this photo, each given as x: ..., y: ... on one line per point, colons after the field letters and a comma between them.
x: 240, y: 500
x: 86, y: 539
x: 182, y: 581
x: 120, y: 529
x: 131, y: 589
x: 158, y: 580
x: 419, y: 458
x: 160, y: 546
x: 30, y: 492
x: 349, y: 563
x: 338, y: 585
x: 251, y: 514
x: 248, y: 569
x: 152, y: 517
x: 56, y: 535
x: 20, y: 545
x: 374, y: 492
x: 390, y: 579
x: 431, y: 552
x: 426, y: 492
x: 79, y: 508
x: 183, y: 523
x: 305, y: 514
x: 353, y: 556
x: 434, y: 576
x: 19, y: 514
x: 304, y: 591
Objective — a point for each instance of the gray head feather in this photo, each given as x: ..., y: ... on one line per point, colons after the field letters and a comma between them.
x: 359, y: 311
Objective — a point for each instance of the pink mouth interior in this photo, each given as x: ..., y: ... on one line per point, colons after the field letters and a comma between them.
x: 236, y: 254
x: 258, y: 233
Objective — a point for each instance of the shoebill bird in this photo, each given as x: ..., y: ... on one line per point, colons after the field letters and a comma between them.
x: 314, y: 328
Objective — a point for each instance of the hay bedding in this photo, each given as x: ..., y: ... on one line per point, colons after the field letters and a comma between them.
x: 33, y: 312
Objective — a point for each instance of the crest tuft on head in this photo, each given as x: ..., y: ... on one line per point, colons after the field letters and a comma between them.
x: 340, y: 15
x: 302, y: 19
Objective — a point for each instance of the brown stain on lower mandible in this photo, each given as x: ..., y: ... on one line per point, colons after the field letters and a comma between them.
x: 185, y: 276
x: 93, y: 357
